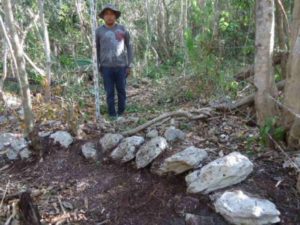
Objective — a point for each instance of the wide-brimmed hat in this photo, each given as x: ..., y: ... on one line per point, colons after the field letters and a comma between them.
x: 112, y: 8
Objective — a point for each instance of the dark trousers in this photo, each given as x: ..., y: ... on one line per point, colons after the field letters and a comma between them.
x: 115, y: 78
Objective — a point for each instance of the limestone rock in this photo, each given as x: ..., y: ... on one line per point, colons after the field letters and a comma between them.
x: 110, y: 141
x: 127, y: 149
x: 89, y: 151
x: 63, y: 138
x: 3, y: 120
x: 174, y: 134
x: 185, y: 160
x: 152, y: 134
x: 11, y: 101
x: 11, y: 154
x: 149, y: 151
x: 220, y: 173
x: 291, y: 164
x: 44, y: 134
x: 240, y: 209
x: 12, y: 146
x: 16, y: 141
x: 25, y: 154
x: 191, y: 219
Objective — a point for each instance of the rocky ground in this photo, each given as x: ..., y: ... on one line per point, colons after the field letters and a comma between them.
x: 210, y: 171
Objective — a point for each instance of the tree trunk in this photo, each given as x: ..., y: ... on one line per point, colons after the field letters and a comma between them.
x: 292, y: 91
x: 84, y: 25
x: 17, y: 49
x: 202, y: 3
x: 47, y: 50
x: 162, y: 21
x: 295, y: 23
x: 215, y: 35
x: 264, y: 73
x: 95, y: 66
x: 4, y: 74
x: 291, y: 99
x: 282, y: 36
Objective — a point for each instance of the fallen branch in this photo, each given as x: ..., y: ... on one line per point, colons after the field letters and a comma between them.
x: 3, y: 197
x: 6, y: 198
x: 293, y: 163
x: 13, y: 215
x: 249, y: 71
x: 201, y: 114
x: 246, y: 101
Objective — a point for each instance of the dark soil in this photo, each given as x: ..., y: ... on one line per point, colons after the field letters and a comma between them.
x: 106, y: 193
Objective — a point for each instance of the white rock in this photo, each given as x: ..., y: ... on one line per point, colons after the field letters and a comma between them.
x: 11, y: 154
x: 240, y: 209
x: 188, y: 159
x: 173, y: 134
x: 89, y: 151
x: 3, y: 120
x: 43, y: 134
x: 12, y: 146
x: 21, y: 113
x: 16, y: 141
x: 291, y: 164
x: 25, y: 154
x: 110, y: 141
x: 127, y: 149
x: 220, y: 173
x: 63, y: 138
x: 149, y: 151
x: 192, y: 219
x: 68, y: 205
x: 224, y: 138
x: 12, y: 101
x: 152, y: 134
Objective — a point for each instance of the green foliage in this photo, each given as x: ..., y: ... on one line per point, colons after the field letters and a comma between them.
x: 135, y: 108
x: 83, y: 62
x: 216, y: 62
x: 250, y: 142
x: 12, y: 87
x: 271, y: 128
x: 189, y: 95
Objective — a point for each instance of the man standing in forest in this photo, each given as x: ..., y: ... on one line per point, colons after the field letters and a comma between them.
x: 114, y: 58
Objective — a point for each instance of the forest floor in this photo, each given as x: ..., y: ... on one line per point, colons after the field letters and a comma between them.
x: 73, y: 190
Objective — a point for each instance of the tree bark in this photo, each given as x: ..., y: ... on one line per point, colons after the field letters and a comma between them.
x: 202, y: 4
x: 215, y: 35
x: 295, y: 23
x: 46, y: 49
x: 84, y: 25
x: 264, y: 72
x: 282, y: 37
x: 291, y: 99
x: 291, y: 116
x: 249, y: 70
x: 162, y: 23
x: 20, y: 65
x: 4, y: 74
x: 246, y: 101
x: 95, y: 66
